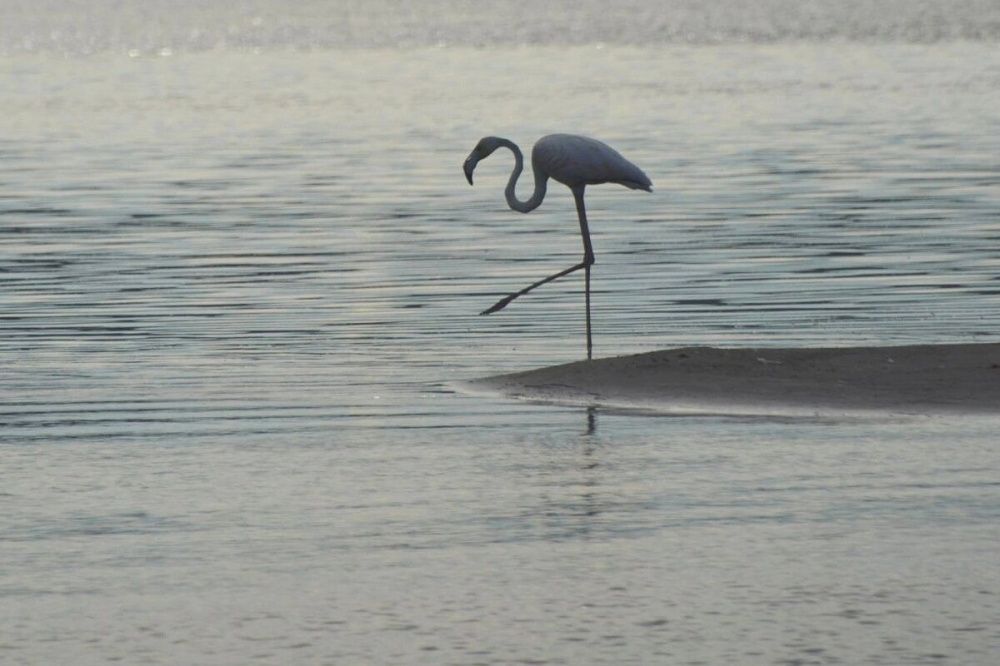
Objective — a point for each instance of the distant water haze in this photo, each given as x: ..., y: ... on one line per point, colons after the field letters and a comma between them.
x: 151, y: 26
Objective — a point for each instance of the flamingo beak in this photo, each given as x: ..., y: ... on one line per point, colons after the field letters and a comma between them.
x: 469, y: 167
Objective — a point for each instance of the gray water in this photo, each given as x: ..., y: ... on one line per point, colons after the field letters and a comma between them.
x: 240, y: 265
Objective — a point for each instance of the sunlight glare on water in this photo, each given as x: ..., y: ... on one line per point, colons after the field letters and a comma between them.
x: 239, y: 266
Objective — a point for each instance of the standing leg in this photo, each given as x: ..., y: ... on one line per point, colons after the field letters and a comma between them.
x: 581, y: 212
x: 588, y: 257
x: 590, y: 345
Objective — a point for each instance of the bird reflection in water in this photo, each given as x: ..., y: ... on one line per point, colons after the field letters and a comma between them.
x: 591, y: 420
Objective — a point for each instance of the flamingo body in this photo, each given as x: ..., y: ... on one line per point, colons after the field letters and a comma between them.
x: 579, y: 160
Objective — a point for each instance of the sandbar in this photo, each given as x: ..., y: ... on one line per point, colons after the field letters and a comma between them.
x: 914, y: 379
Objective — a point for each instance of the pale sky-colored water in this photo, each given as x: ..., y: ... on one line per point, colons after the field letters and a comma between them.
x: 239, y: 264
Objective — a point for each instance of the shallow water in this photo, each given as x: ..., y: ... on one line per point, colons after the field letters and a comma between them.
x: 237, y: 277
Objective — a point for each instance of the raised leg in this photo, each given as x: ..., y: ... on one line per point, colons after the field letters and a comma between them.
x: 588, y: 261
x: 505, y: 301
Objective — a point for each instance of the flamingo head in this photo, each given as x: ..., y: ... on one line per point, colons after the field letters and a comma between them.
x: 483, y: 149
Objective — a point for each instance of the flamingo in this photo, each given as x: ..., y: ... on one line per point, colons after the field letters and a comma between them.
x: 575, y: 161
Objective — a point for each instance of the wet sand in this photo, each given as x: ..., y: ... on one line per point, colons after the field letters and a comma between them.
x: 917, y: 379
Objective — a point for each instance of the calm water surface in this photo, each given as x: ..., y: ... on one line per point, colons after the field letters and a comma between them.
x: 239, y: 265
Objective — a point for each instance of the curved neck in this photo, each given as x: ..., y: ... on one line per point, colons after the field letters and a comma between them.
x: 540, y: 182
